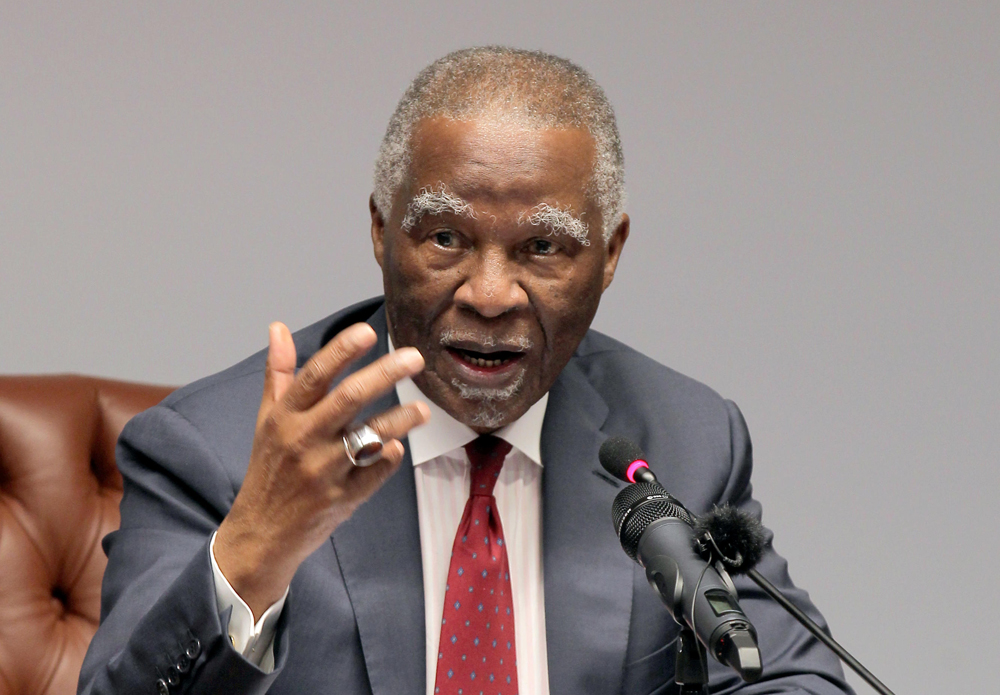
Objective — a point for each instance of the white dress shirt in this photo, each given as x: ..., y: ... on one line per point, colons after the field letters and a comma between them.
x: 442, y: 476
x: 255, y: 641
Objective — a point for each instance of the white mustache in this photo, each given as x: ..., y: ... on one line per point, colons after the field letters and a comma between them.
x: 517, y: 343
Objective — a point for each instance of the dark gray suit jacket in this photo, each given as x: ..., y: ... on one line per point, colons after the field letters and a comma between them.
x: 354, y: 618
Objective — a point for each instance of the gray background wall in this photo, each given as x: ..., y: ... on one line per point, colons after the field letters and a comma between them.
x: 814, y: 194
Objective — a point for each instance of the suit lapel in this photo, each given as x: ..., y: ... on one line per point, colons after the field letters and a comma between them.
x: 378, y: 550
x: 588, y: 579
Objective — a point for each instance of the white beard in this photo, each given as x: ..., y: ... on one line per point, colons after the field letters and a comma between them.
x: 489, y: 416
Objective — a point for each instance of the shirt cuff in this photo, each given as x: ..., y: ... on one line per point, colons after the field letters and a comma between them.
x: 255, y: 641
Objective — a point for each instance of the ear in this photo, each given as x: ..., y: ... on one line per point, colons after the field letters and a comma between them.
x: 378, y: 231
x: 615, y: 245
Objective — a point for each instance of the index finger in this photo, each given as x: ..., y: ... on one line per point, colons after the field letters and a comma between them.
x: 314, y: 379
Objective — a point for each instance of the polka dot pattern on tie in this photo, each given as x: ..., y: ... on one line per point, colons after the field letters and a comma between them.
x: 477, y: 653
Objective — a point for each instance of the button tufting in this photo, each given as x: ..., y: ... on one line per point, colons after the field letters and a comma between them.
x: 59, y: 495
x: 193, y: 648
x: 161, y: 687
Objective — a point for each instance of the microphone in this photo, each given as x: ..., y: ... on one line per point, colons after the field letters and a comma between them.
x: 624, y: 459
x: 732, y: 538
x: 736, y: 537
x: 658, y: 532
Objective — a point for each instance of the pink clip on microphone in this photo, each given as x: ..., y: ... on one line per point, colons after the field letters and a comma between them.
x: 633, y: 467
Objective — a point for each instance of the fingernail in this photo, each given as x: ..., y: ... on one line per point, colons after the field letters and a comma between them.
x: 425, y: 412
x: 360, y: 333
x: 410, y: 358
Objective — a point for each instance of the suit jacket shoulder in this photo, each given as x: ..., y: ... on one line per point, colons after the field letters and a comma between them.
x: 230, y: 382
x: 223, y: 407
x: 691, y: 434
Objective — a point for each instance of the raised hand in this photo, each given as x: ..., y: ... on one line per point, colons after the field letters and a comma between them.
x: 300, y: 484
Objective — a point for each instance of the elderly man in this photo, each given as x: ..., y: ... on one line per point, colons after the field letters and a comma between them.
x: 411, y: 507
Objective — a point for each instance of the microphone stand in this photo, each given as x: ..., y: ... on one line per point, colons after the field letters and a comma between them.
x: 691, y: 670
x: 772, y: 591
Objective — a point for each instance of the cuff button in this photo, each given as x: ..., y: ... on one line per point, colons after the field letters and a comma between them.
x: 161, y: 687
x: 193, y: 649
x: 183, y: 663
x: 173, y: 677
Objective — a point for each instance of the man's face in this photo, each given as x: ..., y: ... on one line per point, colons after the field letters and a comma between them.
x: 488, y: 264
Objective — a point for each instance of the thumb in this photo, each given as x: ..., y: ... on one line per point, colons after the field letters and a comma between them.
x: 279, y: 373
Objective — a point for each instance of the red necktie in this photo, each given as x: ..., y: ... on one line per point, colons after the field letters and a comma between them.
x: 476, y: 653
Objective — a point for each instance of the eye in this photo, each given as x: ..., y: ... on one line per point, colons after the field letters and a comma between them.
x: 542, y: 247
x: 446, y: 239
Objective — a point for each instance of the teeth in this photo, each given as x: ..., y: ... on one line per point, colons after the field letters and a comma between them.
x: 480, y: 362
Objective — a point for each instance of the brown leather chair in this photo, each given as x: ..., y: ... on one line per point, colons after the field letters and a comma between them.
x: 59, y: 494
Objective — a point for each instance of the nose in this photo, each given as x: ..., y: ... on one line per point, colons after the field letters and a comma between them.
x: 492, y: 286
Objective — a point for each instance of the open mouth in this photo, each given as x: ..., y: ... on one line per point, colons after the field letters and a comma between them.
x: 485, y: 360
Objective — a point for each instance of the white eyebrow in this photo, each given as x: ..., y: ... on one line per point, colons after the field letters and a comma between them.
x: 434, y: 201
x: 557, y: 221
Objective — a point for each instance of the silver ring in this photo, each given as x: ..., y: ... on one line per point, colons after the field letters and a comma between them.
x: 363, y: 445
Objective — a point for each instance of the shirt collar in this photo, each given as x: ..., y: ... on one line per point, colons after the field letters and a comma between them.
x: 443, y: 433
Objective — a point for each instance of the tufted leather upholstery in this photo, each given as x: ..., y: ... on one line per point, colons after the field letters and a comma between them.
x: 59, y: 494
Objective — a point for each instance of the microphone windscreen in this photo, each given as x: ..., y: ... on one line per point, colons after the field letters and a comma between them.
x: 738, y: 535
x: 617, y: 454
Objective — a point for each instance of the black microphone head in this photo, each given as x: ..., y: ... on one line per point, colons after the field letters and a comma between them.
x: 738, y: 535
x: 639, y: 505
x: 617, y: 456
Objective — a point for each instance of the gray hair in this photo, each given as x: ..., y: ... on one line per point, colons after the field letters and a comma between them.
x: 530, y: 87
